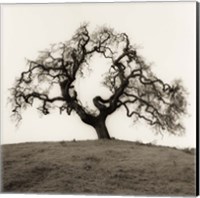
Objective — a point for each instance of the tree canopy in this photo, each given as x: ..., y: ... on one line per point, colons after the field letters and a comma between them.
x: 130, y: 80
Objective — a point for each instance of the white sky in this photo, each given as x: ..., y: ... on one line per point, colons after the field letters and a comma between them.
x: 165, y: 33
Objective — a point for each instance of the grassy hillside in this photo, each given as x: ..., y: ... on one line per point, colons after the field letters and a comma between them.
x: 98, y: 167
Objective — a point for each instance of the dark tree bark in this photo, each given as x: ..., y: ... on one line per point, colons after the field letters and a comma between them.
x: 101, y: 130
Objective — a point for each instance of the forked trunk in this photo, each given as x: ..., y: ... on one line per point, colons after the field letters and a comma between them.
x: 102, y: 130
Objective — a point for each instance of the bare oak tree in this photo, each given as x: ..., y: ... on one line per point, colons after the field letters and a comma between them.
x: 130, y: 80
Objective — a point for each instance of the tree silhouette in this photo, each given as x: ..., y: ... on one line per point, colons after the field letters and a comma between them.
x: 131, y: 83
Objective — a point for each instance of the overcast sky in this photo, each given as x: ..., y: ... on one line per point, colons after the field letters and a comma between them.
x: 164, y: 32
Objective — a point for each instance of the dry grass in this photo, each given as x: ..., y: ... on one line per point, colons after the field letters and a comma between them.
x: 97, y: 167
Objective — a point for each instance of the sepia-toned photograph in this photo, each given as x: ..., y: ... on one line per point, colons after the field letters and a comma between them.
x: 99, y: 98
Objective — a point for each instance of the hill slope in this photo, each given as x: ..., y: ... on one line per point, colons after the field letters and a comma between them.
x: 97, y: 167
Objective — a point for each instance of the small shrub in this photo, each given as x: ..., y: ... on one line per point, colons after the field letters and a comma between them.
x: 63, y: 143
x: 139, y: 143
x: 189, y: 150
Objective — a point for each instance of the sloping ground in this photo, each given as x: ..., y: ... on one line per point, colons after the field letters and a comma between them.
x: 98, y: 167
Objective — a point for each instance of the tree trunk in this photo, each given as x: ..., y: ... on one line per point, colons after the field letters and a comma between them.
x: 101, y: 130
